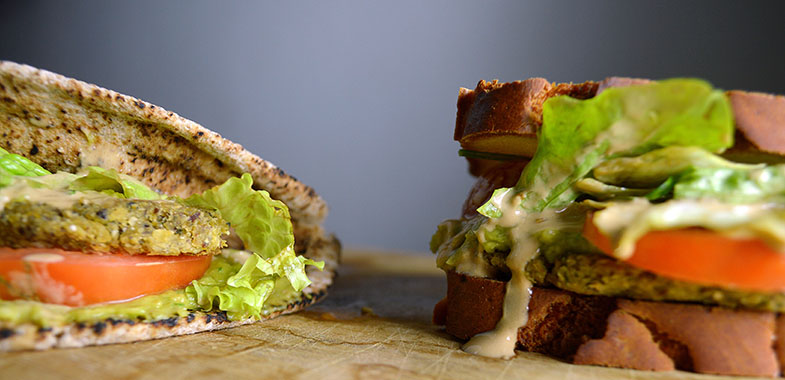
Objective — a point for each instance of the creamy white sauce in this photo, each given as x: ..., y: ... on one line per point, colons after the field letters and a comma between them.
x: 148, y: 264
x: 57, y: 198
x: 626, y: 222
x: 20, y: 190
x: 500, y: 342
x: 43, y: 258
x: 54, y: 291
x: 103, y: 155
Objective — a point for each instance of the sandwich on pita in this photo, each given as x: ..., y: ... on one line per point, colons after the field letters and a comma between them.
x: 627, y: 223
x: 121, y: 221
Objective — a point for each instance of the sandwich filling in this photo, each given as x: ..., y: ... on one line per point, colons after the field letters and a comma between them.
x: 97, y: 245
x: 628, y: 195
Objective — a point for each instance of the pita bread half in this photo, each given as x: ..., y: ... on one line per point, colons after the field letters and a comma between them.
x: 66, y: 124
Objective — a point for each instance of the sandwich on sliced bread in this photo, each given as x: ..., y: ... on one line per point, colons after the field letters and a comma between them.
x: 627, y: 223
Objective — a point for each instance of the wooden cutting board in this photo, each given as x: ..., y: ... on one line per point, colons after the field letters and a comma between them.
x: 375, y: 324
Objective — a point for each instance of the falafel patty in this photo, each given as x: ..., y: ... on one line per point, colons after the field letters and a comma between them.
x: 598, y: 274
x: 109, y: 224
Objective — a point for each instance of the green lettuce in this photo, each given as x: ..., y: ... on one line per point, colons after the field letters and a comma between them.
x: 242, y: 289
x: 577, y: 135
x: 113, y: 183
x: 603, y: 191
x: 733, y: 185
x: 652, y: 168
x: 12, y: 165
x: 493, y: 207
x: 265, y: 228
x: 261, y: 222
x: 684, y: 173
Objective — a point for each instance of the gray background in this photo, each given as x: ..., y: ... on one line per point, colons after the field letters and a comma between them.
x: 357, y: 99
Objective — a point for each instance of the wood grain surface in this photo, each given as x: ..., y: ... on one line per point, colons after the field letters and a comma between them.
x: 375, y: 324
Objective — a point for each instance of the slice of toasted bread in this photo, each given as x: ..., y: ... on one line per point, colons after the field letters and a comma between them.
x: 504, y: 117
x: 624, y: 333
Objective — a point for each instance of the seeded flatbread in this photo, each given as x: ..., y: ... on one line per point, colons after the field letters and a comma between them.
x: 66, y: 124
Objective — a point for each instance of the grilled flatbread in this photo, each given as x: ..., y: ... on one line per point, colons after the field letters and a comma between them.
x: 65, y: 125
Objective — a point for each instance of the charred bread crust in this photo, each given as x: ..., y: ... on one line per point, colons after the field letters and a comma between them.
x: 624, y: 333
x: 112, y: 331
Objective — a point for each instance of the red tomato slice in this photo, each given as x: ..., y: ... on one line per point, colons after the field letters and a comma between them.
x: 78, y: 279
x: 703, y: 257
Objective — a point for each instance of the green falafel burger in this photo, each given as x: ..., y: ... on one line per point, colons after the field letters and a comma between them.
x: 626, y: 223
x: 121, y: 221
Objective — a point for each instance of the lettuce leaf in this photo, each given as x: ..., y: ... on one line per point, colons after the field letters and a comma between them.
x: 603, y: 191
x: 685, y: 173
x: 653, y: 168
x: 12, y: 165
x: 579, y: 134
x: 733, y: 185
x: 263, y: 225
x: 242, y: 289
x: 261, y: 222
x: 493, y: 207
x: 113, y: 183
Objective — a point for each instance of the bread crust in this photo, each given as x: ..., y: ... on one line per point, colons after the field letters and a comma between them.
x: 624, y: 333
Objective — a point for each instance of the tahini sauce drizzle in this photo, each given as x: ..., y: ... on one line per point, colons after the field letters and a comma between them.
x: 500, y: 342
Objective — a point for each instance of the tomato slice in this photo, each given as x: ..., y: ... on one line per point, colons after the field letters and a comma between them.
x: 78, y: 279
x: 703, y: 257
